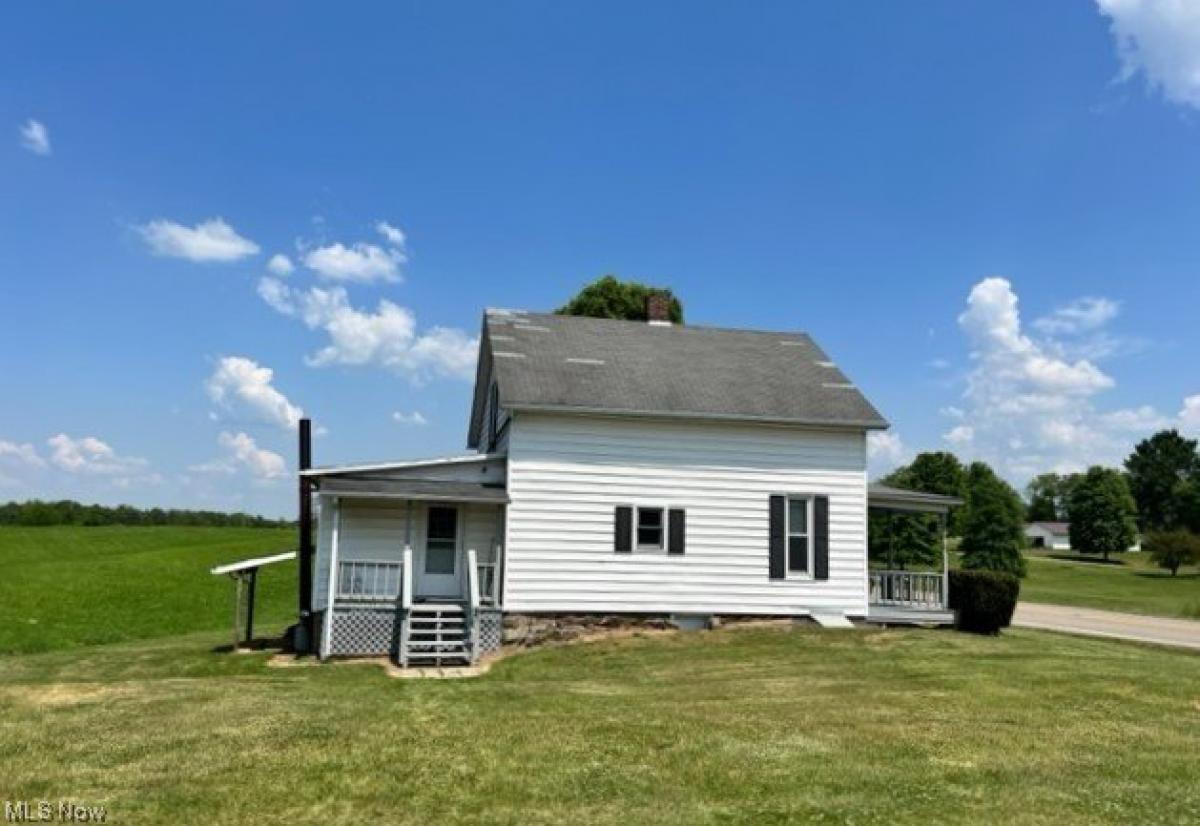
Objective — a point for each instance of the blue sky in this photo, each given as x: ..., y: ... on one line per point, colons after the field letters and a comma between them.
x: 985, y: 211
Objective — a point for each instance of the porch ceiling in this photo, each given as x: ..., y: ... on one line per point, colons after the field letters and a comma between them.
x: 884, y: 497
x: 414, y: 489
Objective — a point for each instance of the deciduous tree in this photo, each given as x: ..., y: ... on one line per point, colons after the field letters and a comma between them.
x: 1102, y: 513
x: 1173, y: 549
x: 1157, y: 467
x: 609, y: 297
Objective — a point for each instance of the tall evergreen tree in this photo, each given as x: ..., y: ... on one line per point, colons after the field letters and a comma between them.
x: 993, y: 523
x: 1102, y: 513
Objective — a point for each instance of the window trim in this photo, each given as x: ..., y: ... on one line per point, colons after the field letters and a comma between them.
x: 809, y: 549
x: 662, y: 528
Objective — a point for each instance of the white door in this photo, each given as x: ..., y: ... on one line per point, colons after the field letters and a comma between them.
x: 437, y: 561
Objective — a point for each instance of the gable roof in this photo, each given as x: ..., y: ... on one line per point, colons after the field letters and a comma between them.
x: 1056, y: 528
x: 561, y: 363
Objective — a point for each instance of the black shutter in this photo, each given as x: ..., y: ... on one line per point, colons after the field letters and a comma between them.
x: 777, y: 545
x: 675, y: 535
x: 821, y: 537
x: 623, y: 539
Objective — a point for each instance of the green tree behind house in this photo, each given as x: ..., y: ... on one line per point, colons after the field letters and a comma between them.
x: 904, y: 540
x: 1102, y: 513
x: 993, y: 523
x: 609, y: 297
x: 1045, y: 499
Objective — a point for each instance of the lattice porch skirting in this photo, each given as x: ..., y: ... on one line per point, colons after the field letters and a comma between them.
x: 364, y: 631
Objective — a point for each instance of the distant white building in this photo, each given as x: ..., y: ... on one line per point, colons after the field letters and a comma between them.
x: 1053, y: 535
x: 1056, y: 536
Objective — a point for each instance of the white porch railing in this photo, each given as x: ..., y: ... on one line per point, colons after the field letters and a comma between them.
x: 369, y: 580
x: 907, y: 589
x: 489, y: 583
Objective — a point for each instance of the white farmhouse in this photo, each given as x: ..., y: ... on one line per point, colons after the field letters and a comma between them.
x: 621, y: 469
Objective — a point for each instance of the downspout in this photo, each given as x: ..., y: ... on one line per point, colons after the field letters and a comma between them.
x: 307, y: 626
x: 945, y: 565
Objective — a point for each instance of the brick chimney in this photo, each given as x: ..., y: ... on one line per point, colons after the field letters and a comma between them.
x: 658, y: 308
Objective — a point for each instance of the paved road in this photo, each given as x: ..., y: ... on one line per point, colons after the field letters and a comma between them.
x: 1092, y: 622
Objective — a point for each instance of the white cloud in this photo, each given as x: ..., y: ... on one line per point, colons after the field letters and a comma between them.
x: 1081, y: 315
x: 1189, y: 416
x: 245, y: 381
x: 361, y: 262
x: 242, y: 452
x: 1160, y: 40
x: 280, y: 264
x: 413, y: 418
x: 394, y: 235
x: 885, y: 451
x: 1029, y: 408
x: 386, y: 337
x: 1136, y: 420
x: 211, y: 240
x: 960, y: 435
x: 277, y: 295
x: 90, y: 456
x: 20, y: 454
x: 35, y: 137
x: 1010, y: 357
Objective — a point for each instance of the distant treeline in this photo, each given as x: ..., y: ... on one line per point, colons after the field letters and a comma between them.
x: 67, y: 512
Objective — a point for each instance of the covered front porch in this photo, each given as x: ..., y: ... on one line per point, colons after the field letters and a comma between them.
x: 904, y: 597
x: 410, y: 561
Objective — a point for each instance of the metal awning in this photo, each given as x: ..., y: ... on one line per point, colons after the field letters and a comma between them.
x: 412, y: 489
x: 884, y: 497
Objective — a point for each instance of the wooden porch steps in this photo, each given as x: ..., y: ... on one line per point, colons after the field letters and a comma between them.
x: 436, y: 635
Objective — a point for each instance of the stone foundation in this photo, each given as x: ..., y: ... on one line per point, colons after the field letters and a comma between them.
x: 529, y: 630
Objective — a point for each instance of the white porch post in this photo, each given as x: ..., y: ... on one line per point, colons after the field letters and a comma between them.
x: 334, y: 575
x: 406, y: 598
x: 945, y: 565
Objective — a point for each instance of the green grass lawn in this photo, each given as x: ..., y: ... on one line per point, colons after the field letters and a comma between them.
x: 67, y: 586
x: 732, y: 726
x: 1132, y: 584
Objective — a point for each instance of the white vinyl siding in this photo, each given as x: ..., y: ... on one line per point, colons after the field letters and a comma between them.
x: 567, y: 474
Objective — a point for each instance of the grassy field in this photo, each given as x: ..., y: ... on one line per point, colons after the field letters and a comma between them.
x: 68, y: 586
x: 1131, y: 583
x: 733, y: 726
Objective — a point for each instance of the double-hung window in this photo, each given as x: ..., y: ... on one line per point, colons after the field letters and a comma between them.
x: 799, y: 534
x: 650, y: 529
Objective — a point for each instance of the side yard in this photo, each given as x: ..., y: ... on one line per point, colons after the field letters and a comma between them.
x: 735, y: 726
x: 1131, y: 584
x: 68, y: 586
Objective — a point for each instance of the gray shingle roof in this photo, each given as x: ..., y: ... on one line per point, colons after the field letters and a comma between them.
x: 570, y: 363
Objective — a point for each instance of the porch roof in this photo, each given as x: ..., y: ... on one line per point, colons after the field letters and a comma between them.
x: 898, y: 499
x: 414, y: 489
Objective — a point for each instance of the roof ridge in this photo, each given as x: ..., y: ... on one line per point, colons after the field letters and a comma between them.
x: 490, y: 312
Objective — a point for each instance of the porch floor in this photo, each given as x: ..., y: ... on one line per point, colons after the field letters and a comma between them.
x: 903, y: 615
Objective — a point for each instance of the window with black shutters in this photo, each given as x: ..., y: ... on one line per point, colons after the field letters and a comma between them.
x: 650, y: 529
x: 799, y: 534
